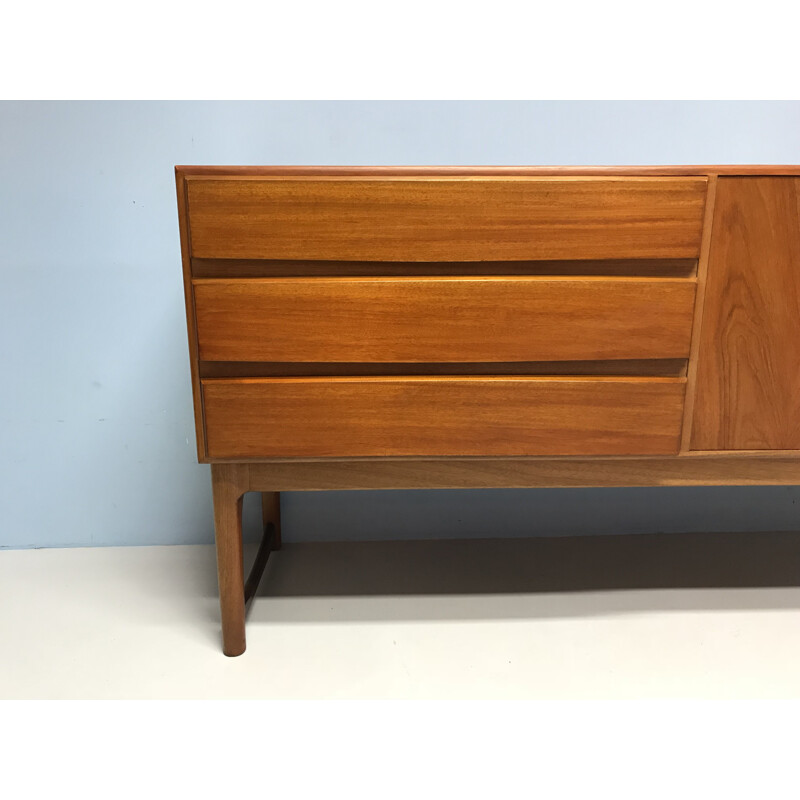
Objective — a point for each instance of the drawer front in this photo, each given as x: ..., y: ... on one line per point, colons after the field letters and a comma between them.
x: 445, y: 219
x: 443, y: 319
x: 454, y: 416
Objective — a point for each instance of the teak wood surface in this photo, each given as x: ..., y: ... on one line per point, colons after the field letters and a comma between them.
x: 748, y: 389
x: 435, y: 416
x: 449, y: 219
x: 443, y: 319
x: 522, y: 473
x: 469, y: 327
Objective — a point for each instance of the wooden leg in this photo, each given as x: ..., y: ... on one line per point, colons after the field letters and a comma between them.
x: 229, y: 482
x: 271, y: 540
x: 271, y: 512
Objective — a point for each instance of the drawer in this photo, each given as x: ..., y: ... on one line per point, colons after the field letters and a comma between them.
x: 445, y: 219
x: 441, y: 416
x: 443, y: 319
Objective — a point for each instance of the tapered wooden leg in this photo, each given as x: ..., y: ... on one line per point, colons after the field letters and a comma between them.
x: 229, y: 482
x: 271, y: 512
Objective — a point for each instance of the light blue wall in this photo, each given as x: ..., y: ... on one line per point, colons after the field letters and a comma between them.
x: 96, y: 431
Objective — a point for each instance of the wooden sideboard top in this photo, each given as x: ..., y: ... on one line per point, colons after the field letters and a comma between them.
x: 499, y: 171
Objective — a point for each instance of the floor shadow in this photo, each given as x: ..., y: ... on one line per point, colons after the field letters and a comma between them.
x: 570, y: 566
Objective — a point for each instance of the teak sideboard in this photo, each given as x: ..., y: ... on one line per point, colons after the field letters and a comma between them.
x: 464, y: 327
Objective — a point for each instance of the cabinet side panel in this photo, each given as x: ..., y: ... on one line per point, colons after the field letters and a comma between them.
x: 197, y: 397
x: 748, y: 371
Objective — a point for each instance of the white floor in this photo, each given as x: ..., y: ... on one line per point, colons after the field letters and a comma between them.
x: 577, y: 618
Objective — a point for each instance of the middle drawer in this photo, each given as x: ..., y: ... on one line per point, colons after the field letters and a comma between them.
x: 443, y: 319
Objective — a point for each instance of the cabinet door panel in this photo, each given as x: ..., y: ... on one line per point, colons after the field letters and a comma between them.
x: 748, y: 377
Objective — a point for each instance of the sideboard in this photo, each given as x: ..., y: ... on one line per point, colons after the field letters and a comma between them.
x: 467, y: 327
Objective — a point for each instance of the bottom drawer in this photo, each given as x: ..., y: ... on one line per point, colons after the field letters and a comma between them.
x: 250, y: 418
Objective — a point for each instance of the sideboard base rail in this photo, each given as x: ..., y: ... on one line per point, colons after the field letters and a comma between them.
x: 711, y: 469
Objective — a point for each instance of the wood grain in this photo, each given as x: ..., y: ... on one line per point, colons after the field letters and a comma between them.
x: 431, y: 416
x: 522, y: 473
x: 443, y: 319
x: 445, y: 219
x: 748, y: 380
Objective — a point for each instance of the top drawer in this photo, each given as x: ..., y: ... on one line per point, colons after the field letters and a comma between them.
x: 444, y: 219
